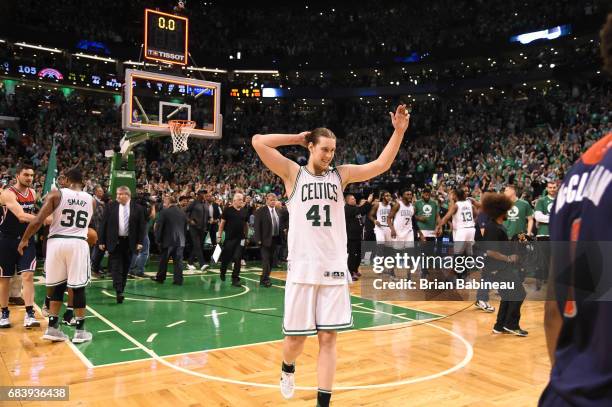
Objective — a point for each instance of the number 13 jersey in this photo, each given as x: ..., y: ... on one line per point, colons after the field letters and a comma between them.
x: 72, y: 216
x: 317, y: 230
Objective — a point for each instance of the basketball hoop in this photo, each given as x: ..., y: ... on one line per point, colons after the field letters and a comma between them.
x: 180, y: 131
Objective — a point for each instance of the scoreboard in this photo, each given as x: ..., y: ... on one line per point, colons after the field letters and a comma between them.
x: 245, y: 92
x: 166, y: 37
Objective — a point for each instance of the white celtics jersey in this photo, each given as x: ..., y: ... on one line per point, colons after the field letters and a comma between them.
x: 317, y: 230
x: 382, y: 213
x: 402, y: 222
x: 464, y: 217
x: 71, y: 218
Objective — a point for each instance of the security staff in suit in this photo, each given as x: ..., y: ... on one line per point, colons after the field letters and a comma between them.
x: 212, y: 217
x: 267, y: 235
x: 122, y: 233
x: 170, y: 235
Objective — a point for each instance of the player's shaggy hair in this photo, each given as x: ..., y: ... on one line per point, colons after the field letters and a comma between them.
x: 606, y: 44
x: 313, y: 136
x: 495, y: 204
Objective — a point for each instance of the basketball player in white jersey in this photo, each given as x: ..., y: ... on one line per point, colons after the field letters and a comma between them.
x: 462, y: 213
x: 317, y: 298
x: 67, y: 263
x: 379, y: 215
x: 402, y: 222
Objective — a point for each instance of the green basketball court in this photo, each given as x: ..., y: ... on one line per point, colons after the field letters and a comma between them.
x: 204, y: 314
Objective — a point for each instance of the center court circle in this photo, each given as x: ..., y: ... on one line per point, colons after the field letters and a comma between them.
x: 464, y: 362
x: 246, y: 290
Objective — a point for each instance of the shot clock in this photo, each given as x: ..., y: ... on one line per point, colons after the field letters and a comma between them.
x: 166, y: 37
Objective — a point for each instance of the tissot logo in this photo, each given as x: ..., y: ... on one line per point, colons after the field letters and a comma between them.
x: 167, y: 55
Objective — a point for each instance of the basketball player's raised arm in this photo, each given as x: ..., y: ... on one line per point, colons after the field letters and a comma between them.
x: 358, y: 173
x: 266, y: 147
x: 10, y: 201
x: 51, y: 202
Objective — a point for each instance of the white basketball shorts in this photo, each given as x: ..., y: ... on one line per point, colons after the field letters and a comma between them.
x: 383, y: 234
x: 67, y: 261
x: 463, y: 240
x: 403, y: 240
x: 310, y: 308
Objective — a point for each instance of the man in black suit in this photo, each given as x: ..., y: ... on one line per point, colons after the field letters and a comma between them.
x: 170, y: 235
x: 267, y: 235
x: 212, y: 217
x: 197, y: 230
x: 122, y: 233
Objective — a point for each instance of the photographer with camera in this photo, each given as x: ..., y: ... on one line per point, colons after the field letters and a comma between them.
x: 139, y: 260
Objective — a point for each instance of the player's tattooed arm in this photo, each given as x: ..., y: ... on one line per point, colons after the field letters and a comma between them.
x: 358, y: 173
x: 49, y: 219
x: 51, y: 202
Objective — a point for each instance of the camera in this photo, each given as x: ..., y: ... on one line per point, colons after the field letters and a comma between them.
x: 144, y: 200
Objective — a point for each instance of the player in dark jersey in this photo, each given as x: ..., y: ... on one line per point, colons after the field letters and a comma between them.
x: 578, y: 328
x: 18, y: 204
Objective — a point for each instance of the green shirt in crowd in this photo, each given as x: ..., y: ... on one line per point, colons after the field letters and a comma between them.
x: 517, y: 218
x: 429, y: 210
x: 544, y: 205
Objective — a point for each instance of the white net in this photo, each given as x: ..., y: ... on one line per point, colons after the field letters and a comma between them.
x: 180, y: 131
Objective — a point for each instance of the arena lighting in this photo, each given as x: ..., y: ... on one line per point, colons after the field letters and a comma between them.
x: 80, y: 54
x: 23, y: 44
x: 256, y: 71
x: 2, y: 41
x: 272, y: 92
x: 195, y: 68
x: 548, y: 34
x: 133, y: 63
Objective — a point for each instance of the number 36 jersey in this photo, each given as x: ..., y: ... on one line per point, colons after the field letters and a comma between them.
x: 317, y: 230
x: 71, y: 218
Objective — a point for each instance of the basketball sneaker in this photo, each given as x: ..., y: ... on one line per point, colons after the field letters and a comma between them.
x: 484, y: 305
x: 191, y: 267
x: 55, y: 335
x: 30, y: 321
x: 287, y: 384
x: 4, y: 320
x: 204, y: 267
x: 82, y: 336
x: 518, y: 331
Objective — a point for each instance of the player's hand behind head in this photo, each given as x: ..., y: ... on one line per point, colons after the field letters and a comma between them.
x: 303, y: 136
